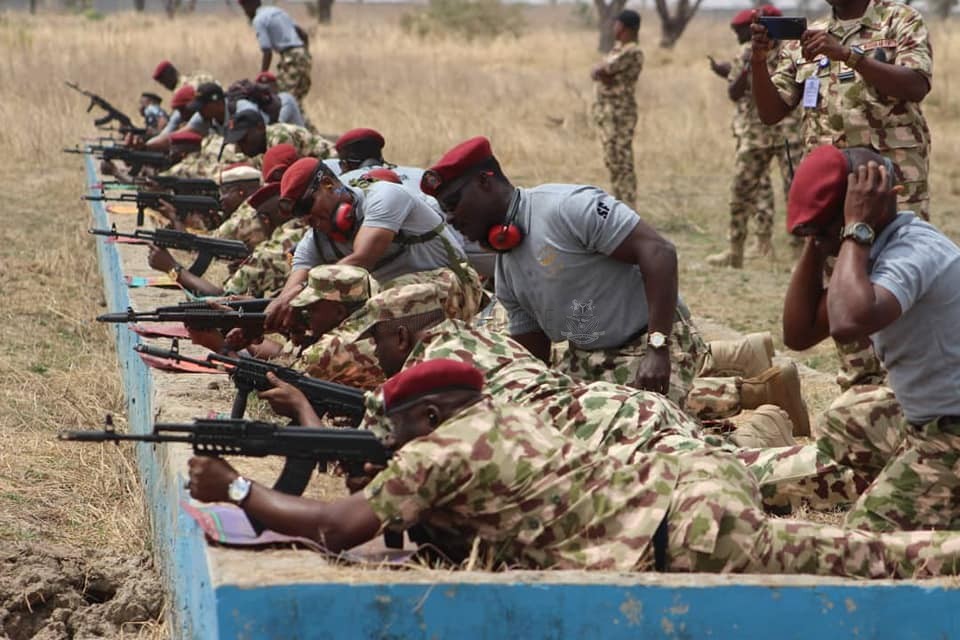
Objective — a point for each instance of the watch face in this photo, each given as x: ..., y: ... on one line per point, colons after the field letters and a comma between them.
x: 657, y: 340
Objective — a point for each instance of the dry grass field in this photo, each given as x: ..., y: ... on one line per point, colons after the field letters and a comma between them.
x: 530, y: 95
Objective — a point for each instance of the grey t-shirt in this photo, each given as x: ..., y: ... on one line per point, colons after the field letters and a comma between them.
x: 275, y: 29
x: 290, y: 110
x: 920, y: 266
x: 385, y: 205
x: 173, y: 123
x: 203, y: 126
x: 561, y: 280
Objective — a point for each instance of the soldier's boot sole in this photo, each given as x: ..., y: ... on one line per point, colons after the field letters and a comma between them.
x: 768, y: 426
x: 779, y: 386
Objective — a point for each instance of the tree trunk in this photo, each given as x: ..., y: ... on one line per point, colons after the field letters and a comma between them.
x: 33, y: 7
x: 324, y: 11
x: 139, y: 5
x: 673, y: 26
x: 606, y: 15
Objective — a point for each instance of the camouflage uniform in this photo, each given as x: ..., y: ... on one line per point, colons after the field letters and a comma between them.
x: 615, y: 113
x: 243, y: 224
x: 757, y: 145
x: 306, y: 143
x: 265, y: 272
x: 194, y: 79
x: 208, y: 162
x: 850, y: 112
x: 536, y: 499
x: 293, y: 72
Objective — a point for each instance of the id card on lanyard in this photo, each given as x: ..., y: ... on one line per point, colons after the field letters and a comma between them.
x: 811, y: 87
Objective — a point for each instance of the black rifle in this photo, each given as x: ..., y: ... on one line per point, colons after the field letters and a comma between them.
x: 207, y: 248
x: 256, y: 305
x: 123, y: 120
x: 250, y: 374
x: 173, y: 184
x: 133, y: 158
x: 199, y: 319
x: 184, y: 205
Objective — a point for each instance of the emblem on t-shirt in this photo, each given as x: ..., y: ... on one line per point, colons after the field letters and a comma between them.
x: 582, y: 325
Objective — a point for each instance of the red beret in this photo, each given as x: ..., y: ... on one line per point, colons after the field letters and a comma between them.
x: 277, y: 160
x: 770, y: 10
x: 266, y: 77
x: 186, y: 136
x: 297, y: 178
x: 455, y: 163
x: 355, y: 135
x: 743, y: 18
x: 818, y: 188
x: 183, y: 96
x: 160, y: 68
x: 432, y: 376
x: 383, y: 175
x: 264, y: 193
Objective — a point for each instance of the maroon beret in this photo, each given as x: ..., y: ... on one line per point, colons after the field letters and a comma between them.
x: 183, y: 96
x: 297, y: 178
x: 160, y: 68
x: 382, y: 174
x: 264, y: 193
x: 770, y: 10
x: 744, y: 17
x: 186, y: 137
x: 265, y: 77
x: 455, y: 163
x: 356, y: 135
x: 277, y: 160
x: 818, y: 188
x: 432, y: 376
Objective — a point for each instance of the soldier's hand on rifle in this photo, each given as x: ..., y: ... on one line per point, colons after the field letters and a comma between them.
x: 160, y: 259
x: 280, y: 314
x: 286, y: 400
x: 167, y: 210
x: 209, y: 338
x: 107, y: 168
x: 209, y: 478
x: 357, y: 483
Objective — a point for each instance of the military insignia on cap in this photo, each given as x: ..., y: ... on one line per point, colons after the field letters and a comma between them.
x: 432, y: 180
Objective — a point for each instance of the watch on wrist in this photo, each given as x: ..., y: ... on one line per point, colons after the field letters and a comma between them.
x: 174, y: 273
x: 856, y: 55
x: 859, y: 232
x: 657, y: 340
x: 238, y: 490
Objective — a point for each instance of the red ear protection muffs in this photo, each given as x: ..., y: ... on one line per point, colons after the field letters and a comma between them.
x: 504, y: 237
x: 343, y: 222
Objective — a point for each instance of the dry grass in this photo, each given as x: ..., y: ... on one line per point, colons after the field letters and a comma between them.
x: 530, y: 95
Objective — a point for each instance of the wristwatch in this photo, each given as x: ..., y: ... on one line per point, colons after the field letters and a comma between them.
x: 856, y: 55
x: 238, y: 490
x: 859, y: 232
x: 174, y: 273
x: 656, y: 340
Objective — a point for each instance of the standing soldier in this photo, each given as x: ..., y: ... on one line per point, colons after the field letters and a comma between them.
x: 276, y: 31
x: 615, y: 109
x: 860, y: 77
x: 757, y: 145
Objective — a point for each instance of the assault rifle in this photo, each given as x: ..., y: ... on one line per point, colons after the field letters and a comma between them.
x: 199, y: 319
x: 256, y: 305
x: 133, y: 158
x: 124, y: 123
x: 184, y: 205
x: 207, y: 248
x: 250, y: 374
x: 173, y: 184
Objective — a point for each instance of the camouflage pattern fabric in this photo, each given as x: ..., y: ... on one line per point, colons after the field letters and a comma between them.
x: 919, y: 487
x: 621, y: 421
x: 243, y: 224
x: 194, y: 79
x: 852, y: 113
x: 859, y: 364
x: 615, y: 114
x: 620, y: 366
x: 265, y: 272
x: 535, y: 499
x: 713, y: 398
x: 306, y: 143
x: 207, y: 163
x: 494, y: 318
x: 293, y: 73
x: 336, y: 283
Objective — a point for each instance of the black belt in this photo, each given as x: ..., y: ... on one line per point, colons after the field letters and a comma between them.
x: 660, y: 546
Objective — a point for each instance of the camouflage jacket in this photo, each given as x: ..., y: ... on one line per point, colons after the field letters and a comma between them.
x: 306, y: 143
x: 747, y: 127
x: 850, y: 112
x: 244, y: 225
x: 208, y: 162
x: 623, y: 63
x: 533, y: 497
x: 265, y: 272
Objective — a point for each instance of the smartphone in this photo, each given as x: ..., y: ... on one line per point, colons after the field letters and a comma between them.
x: 783, y: 28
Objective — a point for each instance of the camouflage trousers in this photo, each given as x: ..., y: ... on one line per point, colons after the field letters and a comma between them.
x: 920, y: 487
x: 752, y: 192
x: 338, y: 357
x: 913, y: 167
x: 617, y: 123
x: 620, y: 366
x: 715, y: 524
x: 859, y: 364
x: 293, y: 73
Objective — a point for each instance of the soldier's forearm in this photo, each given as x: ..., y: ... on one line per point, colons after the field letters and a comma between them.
x: 770, y: 106
x: 893, y: 80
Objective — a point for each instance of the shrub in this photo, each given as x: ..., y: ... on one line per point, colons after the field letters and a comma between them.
x: 467, y: 18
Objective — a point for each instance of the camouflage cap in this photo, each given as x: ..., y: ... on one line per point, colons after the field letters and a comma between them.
x: 337, y: 283
x: 401, y: 302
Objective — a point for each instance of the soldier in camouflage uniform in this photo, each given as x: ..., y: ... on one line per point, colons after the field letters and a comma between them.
x: 252, y: 137
x: 615, y: 105
x: 171, y: 78
x: 237, y: 183
x: 757, y: 146
x: 533, y: 498
x: 276, y: 32
x: 888, y: 43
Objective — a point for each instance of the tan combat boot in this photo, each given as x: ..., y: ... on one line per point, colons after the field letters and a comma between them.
x: 779, y: 386
x: 732, y: 257
x: 766, y: 427
x: 761, y: 248
x: 747, y: 357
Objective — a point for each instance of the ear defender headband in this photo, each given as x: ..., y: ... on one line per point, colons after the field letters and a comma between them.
x: 507, y: 236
